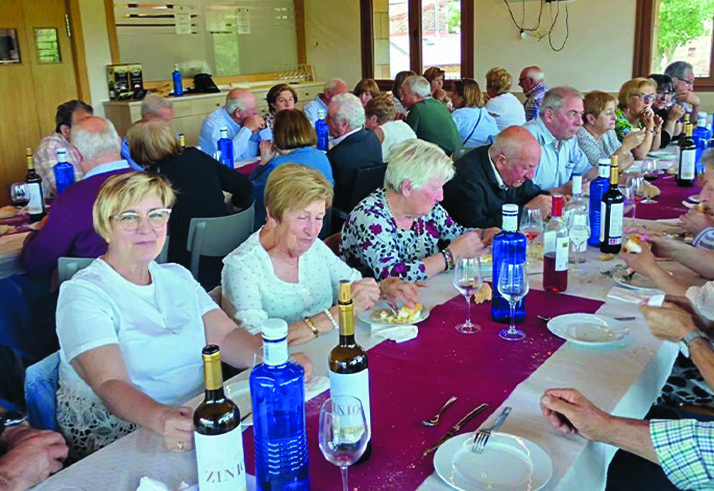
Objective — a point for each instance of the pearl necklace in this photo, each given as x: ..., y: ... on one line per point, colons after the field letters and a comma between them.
x: 419, y: 230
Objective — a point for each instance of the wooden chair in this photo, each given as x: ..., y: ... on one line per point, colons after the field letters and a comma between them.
x: 333, y: 242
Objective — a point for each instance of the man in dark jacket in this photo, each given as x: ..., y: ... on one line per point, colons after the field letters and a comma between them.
x: 490, y: 176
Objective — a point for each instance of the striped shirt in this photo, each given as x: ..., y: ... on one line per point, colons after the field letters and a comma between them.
x: 685, y: 450
x: 705, y: 238
x: 533, y: 99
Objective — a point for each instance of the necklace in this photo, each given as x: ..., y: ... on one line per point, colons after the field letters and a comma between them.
x: 416, y: 220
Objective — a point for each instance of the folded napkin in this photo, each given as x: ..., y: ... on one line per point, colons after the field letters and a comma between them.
x: 398, y: 334
x: 629, y: 296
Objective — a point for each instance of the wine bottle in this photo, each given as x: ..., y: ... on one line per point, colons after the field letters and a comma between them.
x: 218, y: 435
x: 612, y: 209
x: 687, y: 158
x: 597, y: 188
x: 35, y: 193
x: 63, y: 170
x: 225, y: 149
x: 177, y: 79
x: 277, y: 392
x: 556, y: 244
x: 349, y: 375
x: 182, y: 141
x: 323, y: 132
x: 508, y: 245
x: 578, y: 208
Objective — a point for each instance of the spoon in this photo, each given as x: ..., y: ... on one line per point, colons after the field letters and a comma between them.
x: 433, y: 421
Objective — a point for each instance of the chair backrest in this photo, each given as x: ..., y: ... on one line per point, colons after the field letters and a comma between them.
x: 68, y: 266
x: 333, y: 242
x: 217, y: 236
x: 41, y: 383
x: 164, y: 254
x: 365, y: 180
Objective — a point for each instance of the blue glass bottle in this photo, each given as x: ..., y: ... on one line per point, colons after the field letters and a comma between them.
x: 323, y: 132
x: 597, y: 188
x: 64, y: 171
x: 701, y: 136
x: 277, y: 392
x: 225, y: 149
x: 177, y: 79
x: 508, y: 245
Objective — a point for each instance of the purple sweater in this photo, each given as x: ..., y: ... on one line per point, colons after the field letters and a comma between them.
x: 69, y: 230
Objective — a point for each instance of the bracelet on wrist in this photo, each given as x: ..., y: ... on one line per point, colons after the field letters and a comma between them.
x: 331, y: 317
x: 449, y: 259
x: 312, y: 327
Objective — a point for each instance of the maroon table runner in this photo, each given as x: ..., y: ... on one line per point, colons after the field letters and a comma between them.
x: 669, y: 203
x: 410, y: 381
x: 247, y: 169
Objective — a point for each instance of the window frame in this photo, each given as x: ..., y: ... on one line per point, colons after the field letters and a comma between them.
x: 415, y: 40
x: 645, y: 14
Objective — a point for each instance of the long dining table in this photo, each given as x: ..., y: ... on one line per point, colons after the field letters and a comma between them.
x: 624, y: 379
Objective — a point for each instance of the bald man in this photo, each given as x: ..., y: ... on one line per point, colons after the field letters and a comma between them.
x: 332, y: 88
x: 532, y: 81
x: 489, y: 176
x: 240, y: 117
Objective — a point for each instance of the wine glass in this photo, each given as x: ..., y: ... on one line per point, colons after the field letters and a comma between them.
x: 467, y: 279
x: 343, y: 433
x: 531, y: 227
x: 636, y: 184
x: 18, y: 194
x: 579, y: 231
x: 513, y: 286
x: 650, y: 172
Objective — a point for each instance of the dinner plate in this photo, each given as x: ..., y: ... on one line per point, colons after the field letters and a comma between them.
x: 636, y: 282
x: 662, y: 155
x: 372, y: 316
x: 695, y: 198
x: 588, y: 329
x: 689, y: 204
x: 508, y: 463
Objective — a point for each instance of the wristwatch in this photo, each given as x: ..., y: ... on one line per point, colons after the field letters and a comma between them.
x: 691, y: 336
x: 9, y: 419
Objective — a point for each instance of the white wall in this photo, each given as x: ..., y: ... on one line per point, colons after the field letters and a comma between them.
x: 96, y: 43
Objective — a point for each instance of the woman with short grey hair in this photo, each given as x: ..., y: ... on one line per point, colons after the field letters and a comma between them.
x: 395, y: 231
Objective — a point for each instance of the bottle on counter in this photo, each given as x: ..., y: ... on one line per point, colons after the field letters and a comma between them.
x: 612, y: 212
x: 597, y: 188
x: 33, y: 187
x: 687, y: 157
x: 323, y: 132
x: 508, y: 245
x: 277, y: 392
x: 177, y: 79
x: 64, y: 171
x: 218, y: 434
x: 556, y: 246
x: 225, y: 149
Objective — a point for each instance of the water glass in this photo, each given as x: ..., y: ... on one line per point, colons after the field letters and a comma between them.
x: 513, y: 286
x: 636, y: 184
x: 467, y: 280
x: 343, y: 432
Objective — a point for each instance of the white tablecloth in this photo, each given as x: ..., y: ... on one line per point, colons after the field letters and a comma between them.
x: 625, y: 381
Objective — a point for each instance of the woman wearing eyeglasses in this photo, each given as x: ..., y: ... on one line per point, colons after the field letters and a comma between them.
x: 131, y: 330
x: 634, y: 111
x: 665, y: 108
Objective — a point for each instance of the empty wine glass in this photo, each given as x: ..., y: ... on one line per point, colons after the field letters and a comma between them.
x: 650, y: 172
x: 343, y: 432
x: 629, y: 198
x: 513, y: 286
x: 636, y: 183
x: 467, y: 279
x: 18, y: 194
x: 579, y: 231
x: 531, y: 227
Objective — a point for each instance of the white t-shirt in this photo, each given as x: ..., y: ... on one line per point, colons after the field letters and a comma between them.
x: 395, y: 132
x: 252, y: 293
x: 507, y: 110
x: 159, y: 327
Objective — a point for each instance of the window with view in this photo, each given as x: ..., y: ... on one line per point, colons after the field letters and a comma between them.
x: 441, y: 35
x: 391, y: 38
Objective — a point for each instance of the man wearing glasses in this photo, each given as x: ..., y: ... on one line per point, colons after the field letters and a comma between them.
x: 682, y: 74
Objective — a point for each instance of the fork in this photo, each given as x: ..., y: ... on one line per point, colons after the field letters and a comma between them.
x: 482, y: 435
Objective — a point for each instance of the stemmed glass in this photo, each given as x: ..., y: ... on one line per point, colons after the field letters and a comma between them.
x: 650, y: 171
x: 467, y: 279
x: 629, y: 196
x: 579, y: 231
x: 18, y: 194
x: 343, y: 433
x: 636, y: 183
x: 531, y: 226
x: 513, y: 286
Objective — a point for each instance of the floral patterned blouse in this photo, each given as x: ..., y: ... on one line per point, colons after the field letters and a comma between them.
x: 623, y: 125
x: 374, y: 244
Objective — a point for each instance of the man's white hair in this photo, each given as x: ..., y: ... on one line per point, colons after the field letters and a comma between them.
x: 418, y: 85
x: 678, y: 69
x: 238, y: 101
x: 153, y: 104
x: 419, y: 161
x: 332, y: 83
x: 94, y: 145
x: 555, y: 98
x: 349, y: 108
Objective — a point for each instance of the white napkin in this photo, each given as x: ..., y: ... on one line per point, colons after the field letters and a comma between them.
x: 629, y: 296
x: 398, y: 334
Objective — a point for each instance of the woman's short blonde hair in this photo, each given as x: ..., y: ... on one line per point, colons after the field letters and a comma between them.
x: 595, y: 102
x: 419, y: 161
x: 294, y: 187
x: 292, y: 129
x: 633, y: 87
x: 120, y: 192
x: 499, y: 80
x: 469, y: 91
x: 382, y: 107
x: 366, y: 85
x: 152, y: 141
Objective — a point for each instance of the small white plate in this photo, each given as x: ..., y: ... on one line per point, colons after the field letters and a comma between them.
x: 688, y: 204
x: 636, y: 282
x: 695, y: 198
x: 508, y: 463
x: 372, y: 317
x: 662, y: 155
x: 588, y: 329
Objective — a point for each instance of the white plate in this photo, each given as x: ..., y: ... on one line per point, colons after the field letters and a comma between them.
x: 636, y: 282
x: 370, y: 316
x: 662, y: 155
x: 508, y: 463
x: 588, y: 329
x: 695, y: 198
x: 688, y: 204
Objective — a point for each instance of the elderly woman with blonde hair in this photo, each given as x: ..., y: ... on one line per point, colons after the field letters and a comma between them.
x: 283, y: 270
x: 505, y: 107
x: 131, y: 330
x: 396, y: 230
x: 634, y: 111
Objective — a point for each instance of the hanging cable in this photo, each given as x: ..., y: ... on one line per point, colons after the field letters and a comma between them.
x: 552, y: 26
x: 523, y: 3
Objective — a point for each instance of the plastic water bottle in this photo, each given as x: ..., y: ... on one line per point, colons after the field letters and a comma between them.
x: 178, y: 81
x: 701, y: 135
x: 64, y: 171
x: 508, y: 245
x: 597, y: 189
x: 277, y: 392
x: 225, y: 149
x: 323, y: 132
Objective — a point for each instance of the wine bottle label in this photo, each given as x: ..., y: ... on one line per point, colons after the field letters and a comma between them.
x: 686, y: 164
x: 220, y: 460
x: 352, y: 384
x: 614, y: 233
x: 34, y: 194
x: 549, y: 242
x: 562, y: 245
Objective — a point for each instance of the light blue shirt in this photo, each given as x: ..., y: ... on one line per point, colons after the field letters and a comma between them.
x: 559, y: 160
x: 245, y: 143
x: 312, y: 108
x: 476, y: 126
x: 126, y: 155
x: 107, y: 167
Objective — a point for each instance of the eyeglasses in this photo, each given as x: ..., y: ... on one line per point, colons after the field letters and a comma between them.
x: 665, y: 93
x: 129, y: 221
x: 688, y: 82
x: 646, y: 97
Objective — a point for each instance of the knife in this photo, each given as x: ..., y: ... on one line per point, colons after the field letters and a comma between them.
x: 457, y: 427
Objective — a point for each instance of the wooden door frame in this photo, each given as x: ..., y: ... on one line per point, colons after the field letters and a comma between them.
x: 78, y: 50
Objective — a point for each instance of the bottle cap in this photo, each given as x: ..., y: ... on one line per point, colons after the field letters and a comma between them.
x: 345, y: 292
x: 577, y: 184
x: 321, y: 114
x: 509, y: 209
x: 603, y: 162
x: 211, y: 352
x: 176, y: 67
x: 557, y: 206
x: 62, y: 155
x: 224, y: 132
x: 275, y: 329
